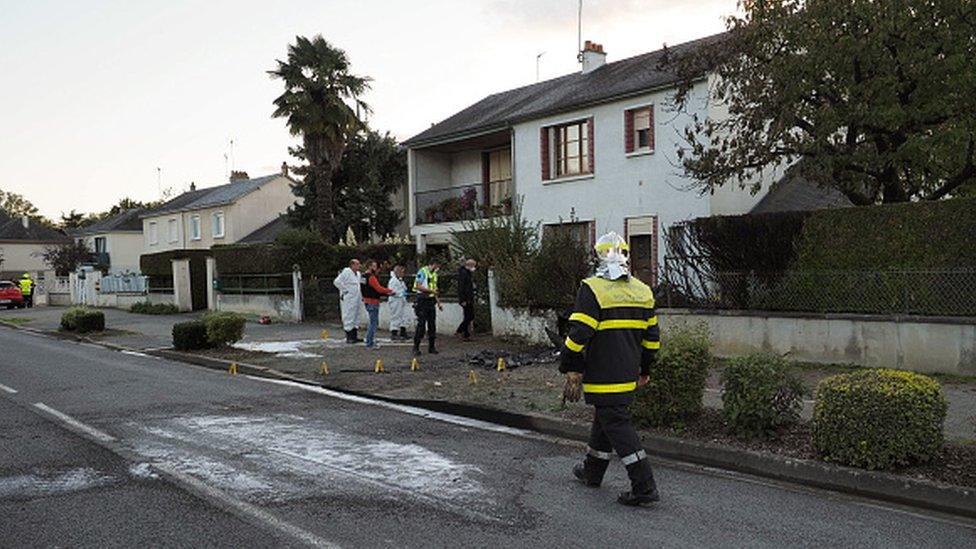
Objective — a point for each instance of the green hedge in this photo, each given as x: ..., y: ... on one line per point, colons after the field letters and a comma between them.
x: 878, y: 419
x: 82, y: 320
x: 190, y: 336
x: 674, y: 392
x: 759, y: 395
x: 146, y: 308
x: 224, y: 328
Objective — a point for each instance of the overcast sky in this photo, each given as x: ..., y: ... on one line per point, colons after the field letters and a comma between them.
x: 95, y: 95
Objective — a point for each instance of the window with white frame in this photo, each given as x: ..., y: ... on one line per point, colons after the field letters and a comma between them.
x: 218, y: 224
x: 173, y: 230
x: 195, y: 232
x: 569, y: 149
x: 153, y: 234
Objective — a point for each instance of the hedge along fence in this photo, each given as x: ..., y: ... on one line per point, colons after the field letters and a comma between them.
x: 894, y: 259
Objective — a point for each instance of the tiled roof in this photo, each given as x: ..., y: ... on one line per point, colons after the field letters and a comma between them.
x: 213, y: 196
x: 268, y: 233
x: 13, y: 229
x: 619, y: 79
x: 796, y: 193
x: 124, y: 221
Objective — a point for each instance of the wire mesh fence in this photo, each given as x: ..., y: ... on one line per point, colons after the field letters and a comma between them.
x: 905, y: 292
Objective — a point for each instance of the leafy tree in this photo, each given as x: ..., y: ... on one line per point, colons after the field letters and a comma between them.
x: 322, y: 103
x: 72, y: 220
x: 877, y: 99
x: 66, y: 258
x: 372, y: 168
x: 16, y: 205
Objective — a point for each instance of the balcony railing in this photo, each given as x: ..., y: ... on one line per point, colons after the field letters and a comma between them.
x: 467, y: 202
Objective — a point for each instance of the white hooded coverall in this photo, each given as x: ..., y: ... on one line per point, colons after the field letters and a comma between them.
x: 399, y: 317
x: 350, y: 297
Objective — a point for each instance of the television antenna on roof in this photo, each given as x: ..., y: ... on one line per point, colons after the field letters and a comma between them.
x: 579, y: 32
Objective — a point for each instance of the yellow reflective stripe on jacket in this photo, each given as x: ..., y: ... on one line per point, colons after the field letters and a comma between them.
x: 653, y: 345
x: 609, y: 387
x: 623, y: 324
x: 585, y: 319
x: 573, y: 346
x: 652, y: 321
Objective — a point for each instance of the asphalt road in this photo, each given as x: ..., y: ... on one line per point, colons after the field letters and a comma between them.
x: 100, y: 448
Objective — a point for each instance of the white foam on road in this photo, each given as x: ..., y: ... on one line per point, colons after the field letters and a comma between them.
x: 39, y: 484
x: 306, y: 348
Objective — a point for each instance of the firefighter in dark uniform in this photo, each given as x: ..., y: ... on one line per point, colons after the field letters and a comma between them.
x: 612, y: 343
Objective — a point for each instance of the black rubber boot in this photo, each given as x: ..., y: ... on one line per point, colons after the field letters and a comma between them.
x: 591, y: 471
x: 349, y: 337
x: 355, y: 336
x: 394, y: 335
x: 403, y: 333
x: 643, y: 489
x: 432, y: 350
x: 416, y: 351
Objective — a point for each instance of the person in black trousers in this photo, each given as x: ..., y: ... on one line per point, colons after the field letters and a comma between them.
x: 466, y: 297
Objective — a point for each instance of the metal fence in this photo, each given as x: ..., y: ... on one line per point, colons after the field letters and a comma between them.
x: 465, y: 202
x: 124, y: 284
x: 928, y: 293
x: 160, y: 284
x: 256, y: 284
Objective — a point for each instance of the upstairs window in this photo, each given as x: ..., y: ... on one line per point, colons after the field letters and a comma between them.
x: 153, y: 234
x: 101, y: 245
x: 567, y: 149
x: 218, y: 224
x: 195, y: 233
x: 639, y: 129
x: 174, y: 234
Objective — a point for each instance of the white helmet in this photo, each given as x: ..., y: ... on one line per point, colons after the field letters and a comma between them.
x: 612, y: 250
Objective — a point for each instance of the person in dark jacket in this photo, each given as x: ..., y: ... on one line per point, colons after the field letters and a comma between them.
x: 466, y: 297
x: 612, y: 344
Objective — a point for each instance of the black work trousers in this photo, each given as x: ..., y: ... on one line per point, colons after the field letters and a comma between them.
x: 426, y: 310
x: 465, y: 327
x: 613, y: 431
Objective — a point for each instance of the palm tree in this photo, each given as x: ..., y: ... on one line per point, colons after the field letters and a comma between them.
x: 322, y: 103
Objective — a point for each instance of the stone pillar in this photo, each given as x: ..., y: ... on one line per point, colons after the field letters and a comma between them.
x: 298, y: 310
x: 182, y: 293
x: 211, y: 281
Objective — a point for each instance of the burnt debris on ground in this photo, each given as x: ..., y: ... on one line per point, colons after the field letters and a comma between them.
x: 488, y: 359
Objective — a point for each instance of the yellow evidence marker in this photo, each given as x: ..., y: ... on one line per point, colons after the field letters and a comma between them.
x: 324, y: 368
x: 379, y: 366
x: 232, y: 369
x: 415, y: 365
x: 472, y: 377
x: 501, y: 364
x: 325, y: 334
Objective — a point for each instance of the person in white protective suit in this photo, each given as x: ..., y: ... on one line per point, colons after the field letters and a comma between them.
x: 349, y: 282
x: 399, y: 312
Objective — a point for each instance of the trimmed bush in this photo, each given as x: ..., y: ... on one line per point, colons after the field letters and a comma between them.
x: 147, y: 308
x: 676, y: 386
x: 224, y: 328
x: 190, y: 335
x: 878, y: 419
x: 82, y: 320
x: 759, y: 395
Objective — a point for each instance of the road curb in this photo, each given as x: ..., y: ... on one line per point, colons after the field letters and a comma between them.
x: 887, y: 487
x: 922, y: 494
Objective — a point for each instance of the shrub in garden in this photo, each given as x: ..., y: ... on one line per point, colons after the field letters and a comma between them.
x: 190, y: 335
x: 676, y: 386
x: 224, y: 328
x: 146, y: 308
x: 878, y: 419
x: 82, y: 320
x: 759, y: 394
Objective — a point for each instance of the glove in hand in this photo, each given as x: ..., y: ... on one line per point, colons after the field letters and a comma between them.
x: 573, y: 390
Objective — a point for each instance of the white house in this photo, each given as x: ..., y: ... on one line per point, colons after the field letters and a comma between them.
x: 115, y: 241
x: 201, y: 218
x: 588, y: 152
x: 23, y: 241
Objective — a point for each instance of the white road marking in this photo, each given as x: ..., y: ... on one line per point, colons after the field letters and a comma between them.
x: 427, y: 414
x: 269, y: 520
x: 136, y: 353
x: 10, y: 390
x: 100, y: 436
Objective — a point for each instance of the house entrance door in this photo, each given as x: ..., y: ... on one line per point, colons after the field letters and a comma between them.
x: 642, y: 238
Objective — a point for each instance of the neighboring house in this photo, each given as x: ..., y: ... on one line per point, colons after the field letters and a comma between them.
x: 588, y: 152
x: 202, y: 218
x: 22, y: 244
x: 267, y: 234
x: 116, y: 241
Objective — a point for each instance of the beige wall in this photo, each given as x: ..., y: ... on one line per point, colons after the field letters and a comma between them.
x: 124, y: 249
x: 241, y: 218
x: 23, y: 256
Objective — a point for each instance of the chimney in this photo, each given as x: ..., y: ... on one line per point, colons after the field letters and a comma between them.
x: 284, y: 169
x: 25, y: 221
x: 592, y: 56
x: 238, y: 176
x: 193, y: 186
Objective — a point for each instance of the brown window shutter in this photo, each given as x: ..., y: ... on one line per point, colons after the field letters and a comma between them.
x: 650, y: 128
x: 589, y: 126
x: 544, y: 152
x: 629, y: 131
x: 592, y: 231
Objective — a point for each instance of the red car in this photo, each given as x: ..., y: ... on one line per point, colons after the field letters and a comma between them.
x: 10, y: 295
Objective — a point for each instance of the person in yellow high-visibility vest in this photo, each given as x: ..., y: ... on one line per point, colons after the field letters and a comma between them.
x: 27, y: 288
x: 428, y: 301
x: 611, y: 346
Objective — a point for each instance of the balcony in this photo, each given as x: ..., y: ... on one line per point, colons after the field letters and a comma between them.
x: 463, y: 203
